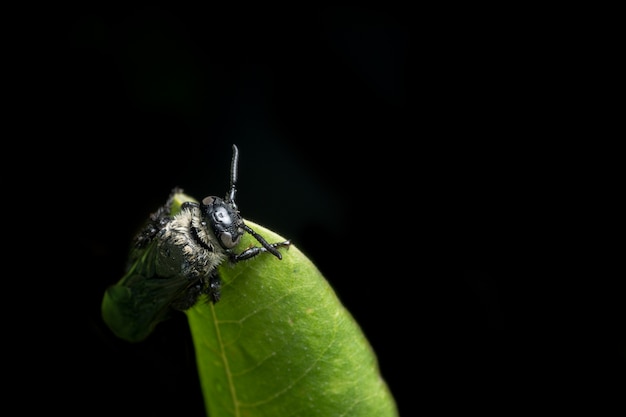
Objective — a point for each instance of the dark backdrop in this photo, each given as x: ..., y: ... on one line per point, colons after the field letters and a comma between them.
x: 405, y: 152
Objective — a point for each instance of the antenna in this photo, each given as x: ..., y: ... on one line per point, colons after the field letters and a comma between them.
x: 233, y: 177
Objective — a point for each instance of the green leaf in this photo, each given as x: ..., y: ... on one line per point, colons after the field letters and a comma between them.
x: 280, y: 343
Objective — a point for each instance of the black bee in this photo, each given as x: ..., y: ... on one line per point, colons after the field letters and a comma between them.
x: 174, y: 260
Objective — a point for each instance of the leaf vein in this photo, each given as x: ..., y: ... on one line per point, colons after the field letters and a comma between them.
x: 302, y: 376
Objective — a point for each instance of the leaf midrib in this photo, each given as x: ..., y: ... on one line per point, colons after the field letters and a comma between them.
x: 229, y: 376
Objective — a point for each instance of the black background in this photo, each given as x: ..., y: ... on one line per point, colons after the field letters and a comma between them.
x: 410, y: 155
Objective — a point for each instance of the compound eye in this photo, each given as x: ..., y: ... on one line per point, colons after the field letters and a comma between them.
x: 228, y: 241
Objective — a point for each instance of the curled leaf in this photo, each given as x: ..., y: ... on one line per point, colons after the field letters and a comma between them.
x: 280, y: 343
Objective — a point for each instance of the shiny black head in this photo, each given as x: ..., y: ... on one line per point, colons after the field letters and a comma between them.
x: 224, y: 220
x: 223, y: 217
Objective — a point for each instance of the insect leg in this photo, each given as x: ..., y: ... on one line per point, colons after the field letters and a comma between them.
x: 255, y: 250
x: 156, y: 221
x: 214, y: 288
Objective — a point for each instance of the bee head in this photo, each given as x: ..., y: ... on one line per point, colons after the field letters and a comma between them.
x: 223, y: 217
x: 224, y: 220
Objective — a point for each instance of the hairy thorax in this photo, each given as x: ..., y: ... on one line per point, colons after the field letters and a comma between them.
x: 185, y: 246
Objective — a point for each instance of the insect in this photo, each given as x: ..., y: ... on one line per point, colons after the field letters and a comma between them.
x: 174, y: 260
